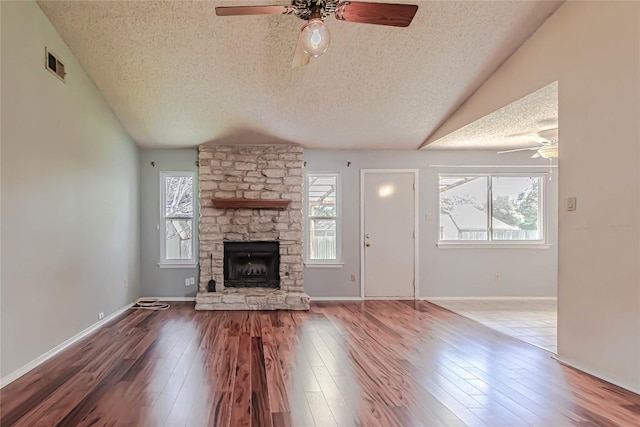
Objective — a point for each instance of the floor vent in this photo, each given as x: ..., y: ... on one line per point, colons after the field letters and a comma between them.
x: 53, y: 64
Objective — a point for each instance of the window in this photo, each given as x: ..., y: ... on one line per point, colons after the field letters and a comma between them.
x: 177, y: 207
x: 323, y: 218
x: 515, y: 203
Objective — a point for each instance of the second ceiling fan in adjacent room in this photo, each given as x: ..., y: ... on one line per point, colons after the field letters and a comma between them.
x: 547, y: 147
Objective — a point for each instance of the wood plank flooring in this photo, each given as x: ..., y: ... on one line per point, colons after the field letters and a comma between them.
x: 375, y: 363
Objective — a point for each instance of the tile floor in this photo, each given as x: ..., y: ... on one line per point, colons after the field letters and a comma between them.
x: 532, y: 321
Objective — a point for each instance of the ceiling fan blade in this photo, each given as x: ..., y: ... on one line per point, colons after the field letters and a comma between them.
x: 535, y: 155
x: 395, y: 15
x: 254, y: 10
x: 300, y: 58
x: 518, y: 149
x: 549, y: 135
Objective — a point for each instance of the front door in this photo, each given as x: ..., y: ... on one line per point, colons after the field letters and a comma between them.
x: 389, y: 209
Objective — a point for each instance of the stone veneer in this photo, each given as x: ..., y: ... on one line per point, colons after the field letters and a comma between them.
x: 252, y: 172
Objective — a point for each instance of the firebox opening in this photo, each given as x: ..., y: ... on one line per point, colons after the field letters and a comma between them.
x: 252, y: 265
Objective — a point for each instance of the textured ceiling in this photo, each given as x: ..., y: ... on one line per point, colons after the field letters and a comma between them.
x: 175, y: 74
x: 513, y: 126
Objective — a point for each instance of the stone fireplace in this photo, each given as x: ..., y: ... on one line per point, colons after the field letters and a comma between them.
x: 251, y: 223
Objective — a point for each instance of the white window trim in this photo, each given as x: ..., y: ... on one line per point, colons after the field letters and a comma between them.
x: 330, y: 263
x: 177, y: 265
x: 162, y: 230
x: 542, y: 243
x: 485, y: 244
x: 322, y: 264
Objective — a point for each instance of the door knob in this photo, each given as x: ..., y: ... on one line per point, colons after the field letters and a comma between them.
x: 367, y: 244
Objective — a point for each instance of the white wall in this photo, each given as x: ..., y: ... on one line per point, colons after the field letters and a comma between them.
x: 443, y: 272
x: 593, y: 50
x: 69, y: 196
x: 156, y: 281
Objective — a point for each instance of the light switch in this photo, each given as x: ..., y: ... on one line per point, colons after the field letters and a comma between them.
x: 572, y: 204
x: 428, y: 217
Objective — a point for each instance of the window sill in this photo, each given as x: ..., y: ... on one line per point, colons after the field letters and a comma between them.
x: 467, y: 245
x: 324, y: 264
x: 176, y: 265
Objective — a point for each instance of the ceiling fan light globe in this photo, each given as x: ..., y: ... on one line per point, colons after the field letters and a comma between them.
x: 315, y: 38
x: 549, y: 151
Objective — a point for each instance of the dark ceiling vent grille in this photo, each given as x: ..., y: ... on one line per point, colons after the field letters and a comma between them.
x: 53, y: 64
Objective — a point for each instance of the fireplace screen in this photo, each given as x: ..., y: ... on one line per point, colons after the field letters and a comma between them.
x: 251, y: 265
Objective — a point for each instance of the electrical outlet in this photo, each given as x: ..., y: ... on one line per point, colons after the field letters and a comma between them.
x: 101, y: 315
x: 353, y: 277
x: 192, y: 280
x: 186, y: 282
x: 126, y: 283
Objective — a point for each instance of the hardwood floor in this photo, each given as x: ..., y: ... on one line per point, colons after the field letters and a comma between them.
x: 377, y: 363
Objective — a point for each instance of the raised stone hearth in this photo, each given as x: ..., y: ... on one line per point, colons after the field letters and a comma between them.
x: 253, y: 172
x: 252, y: 299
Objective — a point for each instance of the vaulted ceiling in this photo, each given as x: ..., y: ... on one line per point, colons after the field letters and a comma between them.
x: 177, y: 75
x: 512, y: 126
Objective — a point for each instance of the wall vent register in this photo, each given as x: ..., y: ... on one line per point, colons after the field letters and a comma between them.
x: 53, y: 64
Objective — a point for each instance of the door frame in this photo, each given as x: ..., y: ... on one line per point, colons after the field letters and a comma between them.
x: 416, y: 281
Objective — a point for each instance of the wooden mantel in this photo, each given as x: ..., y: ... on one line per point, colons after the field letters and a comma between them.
x: 250, y: 203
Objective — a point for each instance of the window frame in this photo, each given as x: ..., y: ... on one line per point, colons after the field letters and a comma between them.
x: 337, y: 262
x: 490, y: 242
x: 162, y: 227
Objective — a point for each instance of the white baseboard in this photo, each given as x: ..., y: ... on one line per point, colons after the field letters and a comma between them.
x: 174, y: 299
x: 579, y: 367
x: 59, y: 348
x: 488, y: 298
x: 361, y: 299
x: 313, y: 299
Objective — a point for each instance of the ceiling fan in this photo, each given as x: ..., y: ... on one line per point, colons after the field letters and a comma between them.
x: 547, y: 141
x: 314, y: 36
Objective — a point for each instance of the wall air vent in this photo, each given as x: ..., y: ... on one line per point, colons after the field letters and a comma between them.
x: 53, y: 64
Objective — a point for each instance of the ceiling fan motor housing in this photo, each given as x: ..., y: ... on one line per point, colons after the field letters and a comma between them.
x: 304, y: 8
